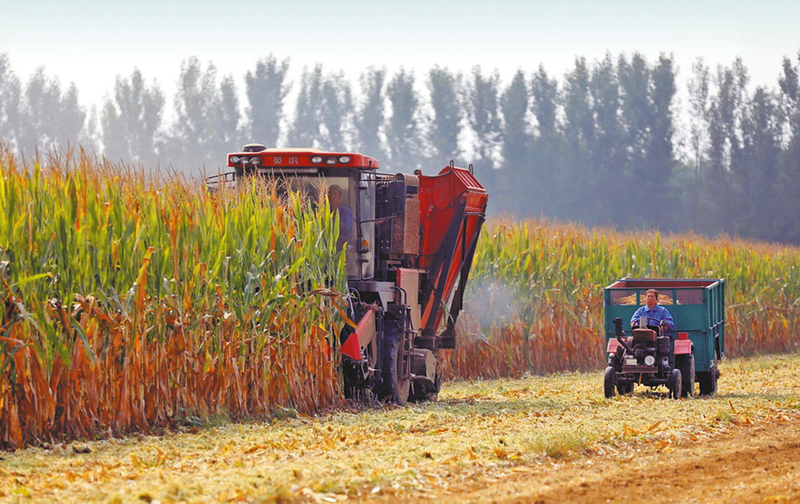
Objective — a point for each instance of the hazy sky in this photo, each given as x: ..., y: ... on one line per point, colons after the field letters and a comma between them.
x: 90, y: 42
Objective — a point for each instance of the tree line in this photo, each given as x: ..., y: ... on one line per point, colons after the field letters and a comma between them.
x: 602, y: 144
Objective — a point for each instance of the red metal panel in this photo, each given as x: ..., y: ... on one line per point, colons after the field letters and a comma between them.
x: 288, y: 158
x: 440, y: 196
x: 683, y: 347
x: 351, y: 348
x: 613, y: 344
x: 365, y: 331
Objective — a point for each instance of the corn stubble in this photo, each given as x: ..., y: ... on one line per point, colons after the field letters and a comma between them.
x: 132, y: 304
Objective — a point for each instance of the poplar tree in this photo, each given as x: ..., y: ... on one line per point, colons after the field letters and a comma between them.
x: 515, y: 178
x: 609, y: 149
x: 266, y: 90
x: 403, y: 131
x: 369, y: 121
x: 205, y: 115
x: 483, y: 117
x: 444, y: 89
x: 10, y: 94
x: 660, y: 158
x: 545, y: 160
x: 699, y: 88
x: 725, y: 150
x: 131, y: 120
x: 336, y: 113
x: 306, y: 131
x: 789, y: 179
x: 49, y: 119
x: 578, y: 177
x: 757, y: 174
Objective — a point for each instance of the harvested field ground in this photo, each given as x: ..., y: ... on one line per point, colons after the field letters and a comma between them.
x: 537, y: 439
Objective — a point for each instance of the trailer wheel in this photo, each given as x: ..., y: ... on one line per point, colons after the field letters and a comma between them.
x: 686, y: 365
x: 675, y: 384
x: 394, y: 388
x: 608, y: 382
x: 708, y: 381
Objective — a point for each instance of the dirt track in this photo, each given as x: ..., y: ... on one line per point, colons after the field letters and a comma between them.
x: 538, y: 439
x: 748, y: 464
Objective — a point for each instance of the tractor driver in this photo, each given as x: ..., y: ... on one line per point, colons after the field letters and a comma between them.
x: 654, y: 312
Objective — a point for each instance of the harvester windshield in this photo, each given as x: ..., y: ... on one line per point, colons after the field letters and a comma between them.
x: 348, y: 179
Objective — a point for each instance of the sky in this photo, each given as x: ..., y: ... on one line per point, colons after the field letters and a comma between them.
x: 91, y: 42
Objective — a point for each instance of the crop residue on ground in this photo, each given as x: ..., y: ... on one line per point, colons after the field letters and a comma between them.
x: 478, y: 433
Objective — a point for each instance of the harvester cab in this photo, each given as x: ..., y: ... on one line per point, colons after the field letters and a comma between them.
x: 409, y: 241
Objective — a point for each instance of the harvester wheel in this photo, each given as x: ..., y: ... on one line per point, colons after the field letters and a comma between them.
x: 394, y: 388
x: 686, y: 364
x: 425, y: 391
x: 708, y: 381
x: 608, y: 382
x: 675, y: 384
x: 624, y: 388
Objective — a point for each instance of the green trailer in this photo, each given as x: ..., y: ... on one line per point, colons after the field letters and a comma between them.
x: 698, y: 309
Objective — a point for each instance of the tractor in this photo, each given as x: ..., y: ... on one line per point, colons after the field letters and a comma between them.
x: 652, y: 357
x: 644, y: 358
x: 408, y: 239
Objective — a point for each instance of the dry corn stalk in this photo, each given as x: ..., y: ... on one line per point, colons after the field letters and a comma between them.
x: 134, y: 304
x: 535, y: 298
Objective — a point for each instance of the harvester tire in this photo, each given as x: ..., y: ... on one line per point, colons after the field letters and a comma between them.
x: 424, y: 391
x: 608, y: 382
x: 394, y: 388
x: 675, y: 384
x: 686, y: 364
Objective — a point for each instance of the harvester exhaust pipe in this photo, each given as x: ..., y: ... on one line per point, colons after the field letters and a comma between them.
x: 621, y: 334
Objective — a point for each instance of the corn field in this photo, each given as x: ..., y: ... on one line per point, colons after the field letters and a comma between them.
x: 535, y: 299
x: 133, y: 304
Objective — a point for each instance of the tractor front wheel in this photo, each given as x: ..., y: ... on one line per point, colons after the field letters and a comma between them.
x: 608, y: 382
x: 675, y: 384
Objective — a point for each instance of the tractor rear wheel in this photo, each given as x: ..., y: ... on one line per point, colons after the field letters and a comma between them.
x: 675, y: 384
x: 395, y: 388
x: 608, y: 382
x: 686, y: 364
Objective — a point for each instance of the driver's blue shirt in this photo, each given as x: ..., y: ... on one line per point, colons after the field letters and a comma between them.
x: 346, y: 222
x: 654, y: 316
